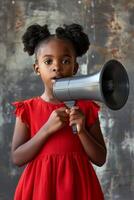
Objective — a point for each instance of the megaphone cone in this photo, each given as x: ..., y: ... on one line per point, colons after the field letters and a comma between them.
x: 114, y: 84
x: 110, y: 85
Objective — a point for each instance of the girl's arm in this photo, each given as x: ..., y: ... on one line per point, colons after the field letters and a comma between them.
x: 93, y: 143
x: 24, y: 148
x: 91, y: 139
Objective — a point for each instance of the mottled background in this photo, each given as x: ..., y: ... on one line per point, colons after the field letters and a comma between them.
x: 110, y: 26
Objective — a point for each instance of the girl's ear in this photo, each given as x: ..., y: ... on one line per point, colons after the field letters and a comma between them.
x: 36, y: 69
x: 76, y: 67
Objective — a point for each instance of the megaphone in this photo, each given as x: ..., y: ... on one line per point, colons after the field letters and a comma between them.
x: 110, y: 86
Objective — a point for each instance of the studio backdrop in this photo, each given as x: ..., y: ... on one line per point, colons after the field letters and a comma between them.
x: 110, y: 26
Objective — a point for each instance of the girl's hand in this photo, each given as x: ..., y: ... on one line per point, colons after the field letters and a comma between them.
x: 77, y: 117
x: 57, y: 120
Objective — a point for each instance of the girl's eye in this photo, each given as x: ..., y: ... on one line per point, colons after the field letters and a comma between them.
x: 66, y: 61
x: 48, y: 61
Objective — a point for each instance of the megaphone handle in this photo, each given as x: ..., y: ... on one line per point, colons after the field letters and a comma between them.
x: 70, y: 104
x: 74, y: 128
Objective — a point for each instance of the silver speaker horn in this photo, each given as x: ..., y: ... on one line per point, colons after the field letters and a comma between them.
x: 110, y: 85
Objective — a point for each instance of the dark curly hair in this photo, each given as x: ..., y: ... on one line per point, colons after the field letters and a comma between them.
x: 35, y: 34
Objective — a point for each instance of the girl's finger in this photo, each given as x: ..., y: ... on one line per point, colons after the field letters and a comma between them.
x: 72, y: 117
x: 75, y: 108
x: 72, y: 122
x: 62, y: 112
x: 68, y: 111
x: 76, y: 112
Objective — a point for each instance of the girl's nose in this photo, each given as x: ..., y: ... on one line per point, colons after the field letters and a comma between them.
x: 56, y: 67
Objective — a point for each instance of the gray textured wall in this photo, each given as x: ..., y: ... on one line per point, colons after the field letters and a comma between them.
x: 110, y: 25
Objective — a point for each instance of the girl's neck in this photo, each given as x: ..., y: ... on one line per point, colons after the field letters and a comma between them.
x: 49, y: 97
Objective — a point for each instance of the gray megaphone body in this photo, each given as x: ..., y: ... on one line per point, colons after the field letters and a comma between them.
x: 110, y: 86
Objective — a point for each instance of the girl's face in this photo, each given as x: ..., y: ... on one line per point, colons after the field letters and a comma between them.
x: 56, y: 58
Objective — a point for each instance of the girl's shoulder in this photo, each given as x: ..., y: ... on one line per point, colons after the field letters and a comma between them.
x: 22, y: 102
x: 25, y: 104
x: 25, y: 108
x: 88, y: 104
x: 90, y: 109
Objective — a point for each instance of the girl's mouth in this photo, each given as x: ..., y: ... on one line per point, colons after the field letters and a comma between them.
x: 57, y: 77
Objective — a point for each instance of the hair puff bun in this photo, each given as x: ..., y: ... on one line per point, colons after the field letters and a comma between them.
x: 33, y: 35
x: 75, y: 34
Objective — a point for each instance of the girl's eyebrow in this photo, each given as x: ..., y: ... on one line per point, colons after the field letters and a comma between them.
x: 47, y: 56
x: 65, y: 55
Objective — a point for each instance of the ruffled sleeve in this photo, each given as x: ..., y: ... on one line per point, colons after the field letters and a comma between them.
x: 20, y: 111
x: 92, y: 114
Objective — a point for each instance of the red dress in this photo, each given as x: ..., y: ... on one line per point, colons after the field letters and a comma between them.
x: 61, y: 170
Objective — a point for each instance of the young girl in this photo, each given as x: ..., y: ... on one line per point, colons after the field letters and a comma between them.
x: 58, y: 161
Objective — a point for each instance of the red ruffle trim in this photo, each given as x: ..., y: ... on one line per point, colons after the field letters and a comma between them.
x: 20, y: 111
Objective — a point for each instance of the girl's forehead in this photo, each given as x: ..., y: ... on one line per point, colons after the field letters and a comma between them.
x: 56, y: 46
